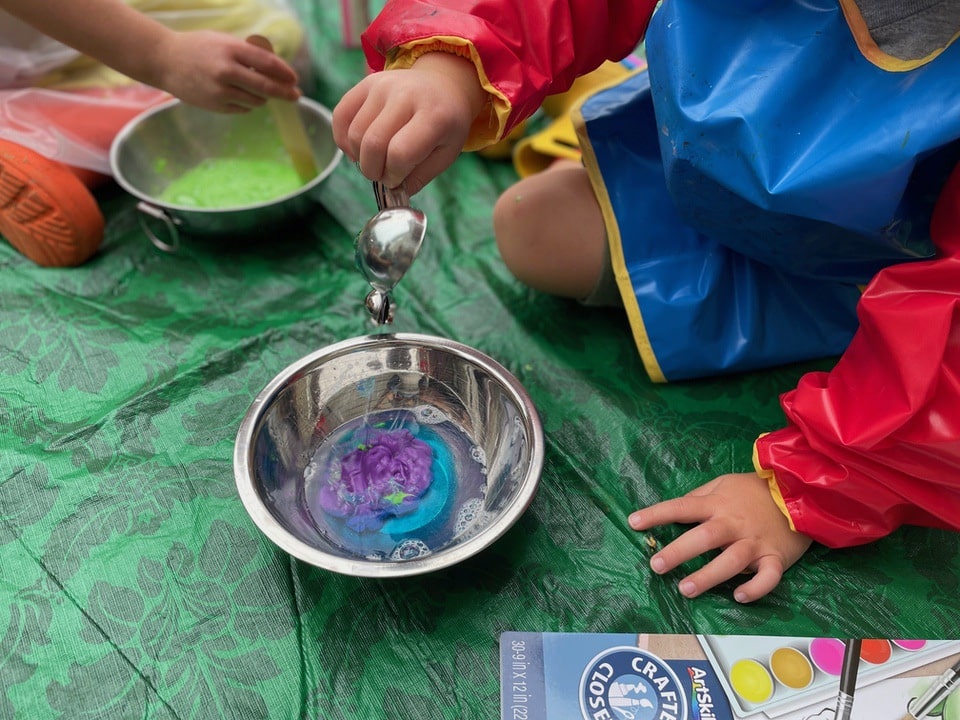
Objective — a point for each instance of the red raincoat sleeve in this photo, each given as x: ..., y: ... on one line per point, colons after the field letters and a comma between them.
x: 875, y: 443
x: 523, y: 51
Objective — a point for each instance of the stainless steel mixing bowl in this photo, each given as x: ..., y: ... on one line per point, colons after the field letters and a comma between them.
x: 164, y: 142
x: 442, y: 383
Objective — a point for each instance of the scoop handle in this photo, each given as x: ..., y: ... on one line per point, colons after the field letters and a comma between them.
x: 390, y: 197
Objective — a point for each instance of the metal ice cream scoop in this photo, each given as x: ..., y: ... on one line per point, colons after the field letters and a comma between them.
x: 387, y: 247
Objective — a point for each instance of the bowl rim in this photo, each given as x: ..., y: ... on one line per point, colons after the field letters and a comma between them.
x: 131, y: 125
x: 264, y: 520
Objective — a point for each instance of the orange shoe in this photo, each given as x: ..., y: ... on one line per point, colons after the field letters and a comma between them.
x: 46, y: 212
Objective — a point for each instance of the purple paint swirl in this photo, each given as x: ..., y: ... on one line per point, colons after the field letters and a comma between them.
x: 383, y: 477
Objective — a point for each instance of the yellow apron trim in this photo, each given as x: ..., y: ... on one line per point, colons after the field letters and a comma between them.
x: 872, y: 52
x: 771, y: 478
x: 537, y: 152
x: 488, y: 128
x: 610, y: 71
x: 620, y: 272
x: 558, y: 139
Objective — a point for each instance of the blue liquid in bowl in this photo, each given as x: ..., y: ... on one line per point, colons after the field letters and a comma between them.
x: 450, y: 509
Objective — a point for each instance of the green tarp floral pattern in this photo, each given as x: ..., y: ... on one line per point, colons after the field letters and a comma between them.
x: 135, y: 586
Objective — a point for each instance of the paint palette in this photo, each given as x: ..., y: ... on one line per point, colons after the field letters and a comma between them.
x: 776, y: 675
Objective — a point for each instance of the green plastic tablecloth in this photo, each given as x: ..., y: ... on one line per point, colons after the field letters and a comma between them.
x: 134, y: 585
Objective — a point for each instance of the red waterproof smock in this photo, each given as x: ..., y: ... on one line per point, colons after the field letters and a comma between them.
x: 869, y: 446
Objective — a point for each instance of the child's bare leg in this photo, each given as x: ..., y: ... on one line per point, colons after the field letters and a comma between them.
x: 550, y: 231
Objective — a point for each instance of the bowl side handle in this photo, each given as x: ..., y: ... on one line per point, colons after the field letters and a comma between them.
x: 170, y: 227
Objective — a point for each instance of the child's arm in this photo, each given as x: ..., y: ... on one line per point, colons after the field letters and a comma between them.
x: 421, y: 116
x: 209, y: 69
x: 511, y: 50
x: 875, y: 443
x: 737, y: 515
x: 871, y: 445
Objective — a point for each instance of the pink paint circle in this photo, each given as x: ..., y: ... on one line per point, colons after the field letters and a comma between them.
x: 911, y: 645
x: 827, y: 654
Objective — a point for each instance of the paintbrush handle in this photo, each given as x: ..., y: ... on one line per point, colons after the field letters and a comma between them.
x: 844, y: 707
x: 851, y: 665
x: 941, y: 687
x: 848, y: 678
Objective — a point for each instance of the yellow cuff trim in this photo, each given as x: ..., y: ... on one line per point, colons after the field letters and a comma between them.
x: 488, y: 128
x: 771, y: 478
x: 871, y: 51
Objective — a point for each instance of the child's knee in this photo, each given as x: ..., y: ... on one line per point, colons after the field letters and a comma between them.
x: 506, y: 214
x: 549, y: 229
x: 513, y: 218
x: 526, y: 213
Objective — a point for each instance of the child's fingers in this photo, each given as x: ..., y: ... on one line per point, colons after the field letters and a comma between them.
x: 253, y: 67
x: 237, y: 97
x: 272, y: 91
x: 767, y: 577
x: 417, y: 157
x: 372, y: 157
x: 262, y: 86
x: 257, y: 53
x: 694, y: 542
x: 738, y: 557
x: 275, y: 68
x: 438, y: 161
x: 686, y: 509
x: 410, y: 147
x: 345, y: 122
x: 730, y: 563
x: 726, y: 565
x: 379, y: 126
x: 707, y: 488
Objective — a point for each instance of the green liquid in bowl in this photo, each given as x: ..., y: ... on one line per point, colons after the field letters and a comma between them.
x: 219, y: 183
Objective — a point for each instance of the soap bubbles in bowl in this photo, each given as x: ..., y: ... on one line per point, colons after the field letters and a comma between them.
x: 389, y: 455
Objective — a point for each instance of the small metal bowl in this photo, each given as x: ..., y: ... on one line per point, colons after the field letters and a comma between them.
x: 162, y: 143
x: 445, y: 389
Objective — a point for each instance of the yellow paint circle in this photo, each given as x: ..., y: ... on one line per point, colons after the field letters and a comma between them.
x: 751, y: 681
x: 791, y: 667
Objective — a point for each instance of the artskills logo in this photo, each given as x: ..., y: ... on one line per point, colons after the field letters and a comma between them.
x: 701, y: 699
x: 626, y: 683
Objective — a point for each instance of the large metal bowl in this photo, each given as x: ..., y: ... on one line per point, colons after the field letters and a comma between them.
x: 162, y: 143
x: 450, y: 390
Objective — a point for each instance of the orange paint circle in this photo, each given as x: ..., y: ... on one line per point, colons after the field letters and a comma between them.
x: 791, y: 667
x: 875, y: 651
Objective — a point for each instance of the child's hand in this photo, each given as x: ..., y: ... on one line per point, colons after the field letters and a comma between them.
x: 737, y: 514
x: 408, y: 126
x: 219, y: 72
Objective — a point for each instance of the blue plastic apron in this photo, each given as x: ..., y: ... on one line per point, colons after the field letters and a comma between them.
x: 757, y: 175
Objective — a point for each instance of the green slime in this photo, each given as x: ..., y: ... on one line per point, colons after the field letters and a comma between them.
x: 231, y: 182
